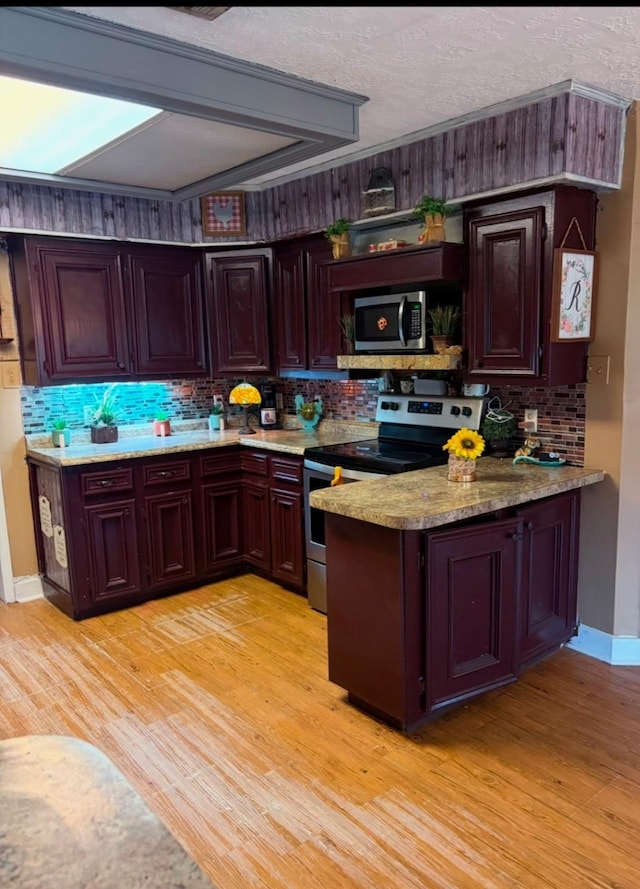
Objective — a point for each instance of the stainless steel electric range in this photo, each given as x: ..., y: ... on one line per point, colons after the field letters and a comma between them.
x: 412, y: 431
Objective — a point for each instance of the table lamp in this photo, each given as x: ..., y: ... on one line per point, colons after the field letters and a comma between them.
x: 245, y: 395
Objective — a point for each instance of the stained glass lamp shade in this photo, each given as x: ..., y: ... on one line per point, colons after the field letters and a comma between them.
x: 245, y: 395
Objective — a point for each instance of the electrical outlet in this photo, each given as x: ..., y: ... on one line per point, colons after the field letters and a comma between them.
x: 87, y: 414
x: 531, y: 419
x: 217, y: 399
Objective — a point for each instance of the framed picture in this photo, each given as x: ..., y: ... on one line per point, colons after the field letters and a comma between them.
x: 223, y: 213
x: 573, y: 298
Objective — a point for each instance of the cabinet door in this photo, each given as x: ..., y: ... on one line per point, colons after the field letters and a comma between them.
x: 287, y: 537
x: 168, y: 318
x: 239, y: 317
x: 112, y: 540
x: 220, y: 525
x: 290, y: 305
x: 256, y: 524
x: 80, y: 312
x: 504, y: 297
x: 472, y: 591
x: 323, y: 312
x: 549, y: 574
x: 170, y: 551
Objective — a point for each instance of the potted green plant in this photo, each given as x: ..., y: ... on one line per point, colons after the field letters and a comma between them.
x: 104, y: 427
x: 216, y: 417
x: 348, y: 328
x: 498, y: 427
x: 444, y: 326
x: 162, y: 423
x: 60, y: 433
x: 338, y: 233
x: 433, y: 211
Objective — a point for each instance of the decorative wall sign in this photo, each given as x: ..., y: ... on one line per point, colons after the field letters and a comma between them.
x: 60, y: 546
x: 573, y: 303
x: 574, y: 290
x: 223, y: 213
x: 46, y: 525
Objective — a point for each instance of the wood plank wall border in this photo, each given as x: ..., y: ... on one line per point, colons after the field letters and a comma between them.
x: 553, y: 139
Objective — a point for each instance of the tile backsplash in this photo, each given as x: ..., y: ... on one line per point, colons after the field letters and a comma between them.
x: 561, y: 411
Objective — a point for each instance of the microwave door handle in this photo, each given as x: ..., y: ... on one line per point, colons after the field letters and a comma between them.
x: 403, y: 304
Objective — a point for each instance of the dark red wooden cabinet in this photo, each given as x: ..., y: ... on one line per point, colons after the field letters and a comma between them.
x: 238, y: 298
x: 308, y: 330
x: 549, y: 574
x: 420, y: 621
x: 511, y: 243
x: 93, y: 311
x: 167, y: 310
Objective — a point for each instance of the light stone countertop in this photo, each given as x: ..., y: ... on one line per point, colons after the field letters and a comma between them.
x: 424, y: 498
x: 289, y: 441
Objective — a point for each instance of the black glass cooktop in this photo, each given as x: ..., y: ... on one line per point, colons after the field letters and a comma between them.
x: 377, y: 456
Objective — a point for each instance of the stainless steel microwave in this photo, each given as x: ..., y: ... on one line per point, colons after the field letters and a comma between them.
x: 393, y: 323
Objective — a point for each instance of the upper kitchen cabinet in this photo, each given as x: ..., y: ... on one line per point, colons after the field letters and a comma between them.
x: 77, y: 301
x: 511, y: 243
x: 238, y: 293
x: 71, y: 310
x: 167, y: 312
x: 307, y: 327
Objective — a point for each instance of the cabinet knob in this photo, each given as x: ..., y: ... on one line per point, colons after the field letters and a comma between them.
x: 106, y: 482
x: 121, y: 365
x: 477, y: 362
x: 529, y: 526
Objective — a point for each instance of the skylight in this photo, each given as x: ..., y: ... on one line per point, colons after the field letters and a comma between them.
x: 47, y: 128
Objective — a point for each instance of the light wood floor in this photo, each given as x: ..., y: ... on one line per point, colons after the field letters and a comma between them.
x: 216, y: 706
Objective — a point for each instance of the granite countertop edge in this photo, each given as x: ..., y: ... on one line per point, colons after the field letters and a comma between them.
x: 288, y: 441
x: 425, y: 499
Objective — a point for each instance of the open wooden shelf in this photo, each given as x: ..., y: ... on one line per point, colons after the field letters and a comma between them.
x: 399, y: 362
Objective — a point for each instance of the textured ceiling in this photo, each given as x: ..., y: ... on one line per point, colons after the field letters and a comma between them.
x: 419, y: 66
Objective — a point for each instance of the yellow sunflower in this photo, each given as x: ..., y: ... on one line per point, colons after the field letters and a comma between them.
x: 465, y: 443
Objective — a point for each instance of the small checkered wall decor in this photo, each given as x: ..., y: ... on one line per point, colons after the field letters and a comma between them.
x: 223, y: 213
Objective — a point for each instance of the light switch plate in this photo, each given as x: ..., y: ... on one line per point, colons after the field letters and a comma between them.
x: 598, y: 369
x: 11, y: 374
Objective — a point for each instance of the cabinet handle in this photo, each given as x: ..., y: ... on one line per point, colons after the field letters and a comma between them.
x: 516, y: 536
x: 477, y: 362
x: 165, y: 473
x: 529, y: 526
x: 106, y: 482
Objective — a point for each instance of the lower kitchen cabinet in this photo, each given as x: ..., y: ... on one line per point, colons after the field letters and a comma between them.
x: 273, y: 515
x: 114, y: 534
x: 421, y: 621
x: 168, y: 514
x: 549, y: 576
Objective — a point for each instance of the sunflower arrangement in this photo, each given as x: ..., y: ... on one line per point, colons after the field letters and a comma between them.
x: 466, y: 443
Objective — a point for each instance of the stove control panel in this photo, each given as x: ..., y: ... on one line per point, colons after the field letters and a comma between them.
x: 442, y: 412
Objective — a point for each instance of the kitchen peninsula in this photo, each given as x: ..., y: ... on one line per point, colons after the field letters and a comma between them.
x: 438, y: 591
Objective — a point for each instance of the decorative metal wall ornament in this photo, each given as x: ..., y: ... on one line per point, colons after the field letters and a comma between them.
x: 380, y: 196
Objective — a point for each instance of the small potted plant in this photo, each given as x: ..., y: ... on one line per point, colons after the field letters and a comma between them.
x: 433, y: 211
x: 216, y: 417
x: 444, y: 326
x: 338, y: 233
x: 499, y: 425
x: 348, y: 328
x: 162, y: 423
x: 104, y: 429
x: 60, y: 433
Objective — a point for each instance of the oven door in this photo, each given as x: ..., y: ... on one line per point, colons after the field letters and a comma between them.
x: 315, y: 477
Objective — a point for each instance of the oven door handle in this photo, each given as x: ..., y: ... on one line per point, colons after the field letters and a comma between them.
x: 401, y: 311
x: 350, y: 475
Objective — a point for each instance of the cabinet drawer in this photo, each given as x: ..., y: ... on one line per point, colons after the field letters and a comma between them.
x: 109, y: 480
x: 286, y: 469
x: 221, y: 460
x: 255, y: 462
x: 166, y: 472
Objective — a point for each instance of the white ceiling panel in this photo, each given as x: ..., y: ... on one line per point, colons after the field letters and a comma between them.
x: 172, y: 151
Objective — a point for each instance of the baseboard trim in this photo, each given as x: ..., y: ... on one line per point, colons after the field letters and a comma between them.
x: 620, y: 651
x: 28, y: 588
